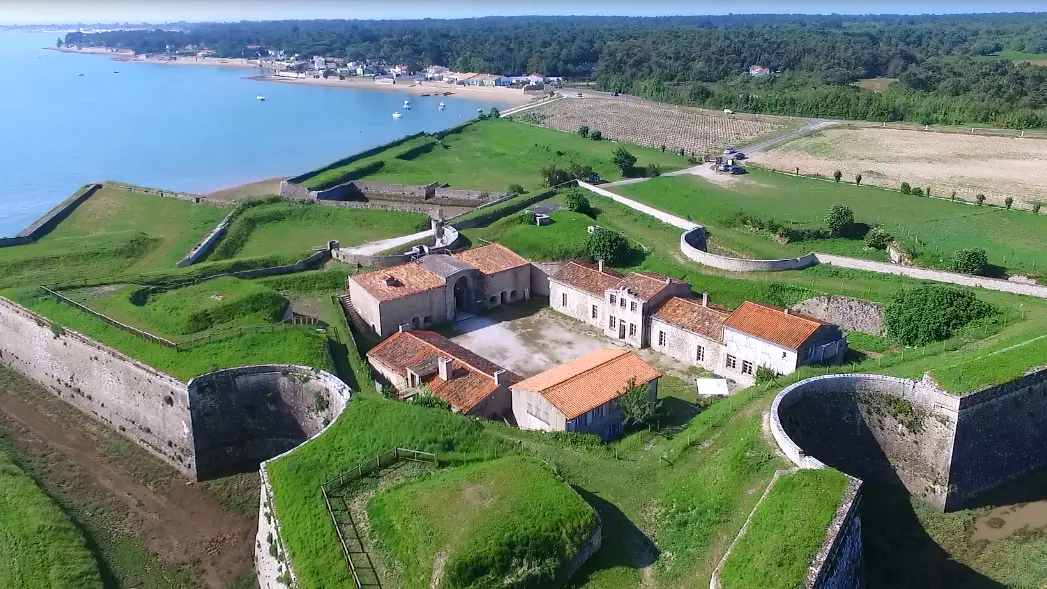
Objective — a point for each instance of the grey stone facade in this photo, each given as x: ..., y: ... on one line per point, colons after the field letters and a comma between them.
x: 849, y: 313
x: 687, y: 346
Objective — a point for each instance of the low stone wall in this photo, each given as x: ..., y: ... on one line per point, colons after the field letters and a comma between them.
x: 291, y: 190
x: 194, y: 198
x: 838, y: 564
x: 689, y: 246
x: 208, y: 242
x: 244, y: 416
x: 359, y: 191
x: 300, y: 266
x: 46, y: 223
x: 497, y: 212
x: 849, y: 313
x: 446, y: 242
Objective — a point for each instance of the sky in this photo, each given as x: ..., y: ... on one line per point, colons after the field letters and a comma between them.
x: 157, y: 11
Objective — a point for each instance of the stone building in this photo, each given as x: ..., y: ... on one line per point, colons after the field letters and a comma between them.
x: 579, y: 396
x: 435, y: 288
x: 471, y: 384
x: 690, y: 331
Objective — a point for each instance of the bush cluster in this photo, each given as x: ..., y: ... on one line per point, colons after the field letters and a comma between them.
x: 970, y: 261
x: 878, y: 238
x: 608, y: 246
x: 926, y: 314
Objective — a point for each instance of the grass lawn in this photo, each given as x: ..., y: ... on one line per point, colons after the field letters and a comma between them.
x: 786, y: 532
x: 1020, y: 56
x: 564, y: 239
x: 489, y: 155
x: 292, y: 227
x: 488, y: 523
x: 212, y: 305
x: 933, y: 229
x: 40, y: 547
x: 58, y: 260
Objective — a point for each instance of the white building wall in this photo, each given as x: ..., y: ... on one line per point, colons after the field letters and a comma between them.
x: 760, y: 353
x: 414, y: 309
x: 682, y: 345
x: 579, y: 304
x: 366, y: 305
x: 628, y: 310
x: 524, y: 420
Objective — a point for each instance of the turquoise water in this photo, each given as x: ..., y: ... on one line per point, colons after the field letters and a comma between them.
x: 187, y: 128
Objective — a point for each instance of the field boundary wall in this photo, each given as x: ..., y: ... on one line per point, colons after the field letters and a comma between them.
x: 200, y: 250
x: 488, y: 217
x: 46, y: 223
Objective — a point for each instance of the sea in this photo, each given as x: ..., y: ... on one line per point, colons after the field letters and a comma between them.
x: 185, y: 128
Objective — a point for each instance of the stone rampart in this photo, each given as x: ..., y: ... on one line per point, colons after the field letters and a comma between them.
x: 244, y: 416
x: 352, y: 158
x: 497, y: 210
x: 200, y: 250
x: 186, y: 196
x: 849, y: 313
x: 839, y: 562
x: 689, y: 246
x: 46, y: 223
x: 144, y: 404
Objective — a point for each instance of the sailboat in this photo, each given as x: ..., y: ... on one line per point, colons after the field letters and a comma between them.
x: 260, y: 97
x: 397, y: 115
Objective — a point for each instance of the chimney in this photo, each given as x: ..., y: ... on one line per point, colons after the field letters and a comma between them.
x: 705, y: 299
x: 501, y: 377
x: 401, y: 327
x: 786, y: 311
x: 445, y: 368
x: 600, y: 265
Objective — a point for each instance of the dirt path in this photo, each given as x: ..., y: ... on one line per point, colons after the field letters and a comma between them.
x: 180, y: 522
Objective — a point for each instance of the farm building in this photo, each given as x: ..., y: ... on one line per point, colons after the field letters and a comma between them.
x: 470, y: 384
x: 434, y: 289
x: 690, y: 331
x: 579, y: 396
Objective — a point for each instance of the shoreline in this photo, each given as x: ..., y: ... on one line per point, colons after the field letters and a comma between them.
x: 128, y: 56
x: 509, y: 96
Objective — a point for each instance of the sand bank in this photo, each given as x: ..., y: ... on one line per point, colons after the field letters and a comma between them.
x: 510, y: 96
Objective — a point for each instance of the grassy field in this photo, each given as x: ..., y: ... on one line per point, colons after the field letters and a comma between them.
x: 212, y: 305
x: 40, y: 546
x: 876, y: 84
x: 488, y: 155
x: 504, y: 519
x: 933, y: 229
x: 564, y: 239
x: 786, y: 532
x: 1033, y: 58
x: 290, y: 227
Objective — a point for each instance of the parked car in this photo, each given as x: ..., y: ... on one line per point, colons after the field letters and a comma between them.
x: 578, y: 94
x: 739, y: 155
x: 728, y: 150
x: 614, y: 94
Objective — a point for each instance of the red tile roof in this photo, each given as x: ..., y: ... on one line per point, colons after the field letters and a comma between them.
x: 472, y: 376
x: 646, y: 285
x: 397, y: 281
x: 586, y: 277
x: 586, y: 383
x: 689, y: 314
x: 773, y: 324
x: 491, y: 259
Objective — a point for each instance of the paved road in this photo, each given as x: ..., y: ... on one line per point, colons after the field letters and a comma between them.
x: 369, y: 249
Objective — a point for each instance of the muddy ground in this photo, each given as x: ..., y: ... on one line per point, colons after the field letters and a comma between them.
x: 148, y: 525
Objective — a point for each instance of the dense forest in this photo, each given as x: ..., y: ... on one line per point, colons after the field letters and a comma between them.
x: 944, y: 74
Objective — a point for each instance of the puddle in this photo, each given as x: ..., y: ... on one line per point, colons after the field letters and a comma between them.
x: 1004, y: 521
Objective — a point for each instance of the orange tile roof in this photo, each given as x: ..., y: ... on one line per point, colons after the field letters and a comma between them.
x: 692, y: 316
x: 491, y: 259
x: 472, y: 376
x: 645, y: 285
x: 586, y: 383
x: 772, y: 324
x: 586, y: 277
x: 397, y: 281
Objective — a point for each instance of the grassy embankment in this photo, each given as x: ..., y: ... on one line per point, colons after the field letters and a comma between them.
x: 505, y: 519
x: 488, y: 155
x: 932, y: 229
x: 786, y: 531
x: 39, y: 546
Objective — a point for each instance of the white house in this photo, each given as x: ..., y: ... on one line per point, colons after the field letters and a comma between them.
x: 579, y: 396
x: 435, y: 72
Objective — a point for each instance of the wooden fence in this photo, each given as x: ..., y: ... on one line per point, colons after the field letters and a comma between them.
x: 379, y: 462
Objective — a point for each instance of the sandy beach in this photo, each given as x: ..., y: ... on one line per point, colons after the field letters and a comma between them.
x: 128, y: 55
x: 511, y: 96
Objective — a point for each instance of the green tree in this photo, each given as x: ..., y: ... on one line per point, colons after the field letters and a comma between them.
x: 970, y: 261
x: 576, y: 201
x: 837, y: 175
x: 515, y: 189
x: 765, y: 374
x: 653, y: 171
x: 1007, y: 202
x: 840, y: 220
x: 608, y: 246
x: 583, y: 130
x: 878, y: 238
x: 917, y: 191
x: 494, y: 113
x: 857, y: 179
x: 906, y: 189
x: 59, y: 44
x: 1036, y: 208
x: 980, y: 198
x: 623, y: 160
x: 596, y: 135
x: 635, y: 404
x: 926, y: 314
x: 426, y: 398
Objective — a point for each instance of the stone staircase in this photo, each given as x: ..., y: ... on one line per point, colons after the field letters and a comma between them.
x: 355, y: 321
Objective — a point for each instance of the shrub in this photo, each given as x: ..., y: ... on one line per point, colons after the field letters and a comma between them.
x: 425, y: 398
x: 878, y: 238
x: 970, y: 261
x: 980, y: 198
x: 596, y: 135
x: 494, y: 113
x: 692, y: 159
x: 917, y: 191
x: 653, y: 171
x: 515, y: 189
x: 764, y: 374
x: 1007, y: 202
x: 623, y: 160
x: 577, y: 202
x: 906, y: 189
x: 636, y: 406
x: 840, y: 220
x: 837, y: 175
x: 925, y: 314
x: 927, y: 191
x: 555, y: 175
x: 1036, y: 208
x: 583, y: 130
x: 608, y: 246
x: 953, y: 195
x: 663, y: 148
x: 857, y: 179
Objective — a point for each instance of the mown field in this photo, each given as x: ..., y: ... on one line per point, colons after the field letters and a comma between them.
x: 282, y: 227
x: 930, y: 228
x: 40, y: 548
x: 488, y: 155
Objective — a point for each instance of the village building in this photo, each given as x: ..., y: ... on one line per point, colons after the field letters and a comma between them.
x: 435, y: 72
x: 690, y: 331
x: 758, y: 71
x: 472, y: 385
x: 438, y: 287
x: 579, y: 396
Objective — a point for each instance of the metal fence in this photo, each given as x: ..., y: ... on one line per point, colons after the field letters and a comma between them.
x: 379, y: 462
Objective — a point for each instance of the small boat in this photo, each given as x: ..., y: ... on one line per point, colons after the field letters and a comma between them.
x: 480, y: 110
x: 425, y: 95
x: 407, y: 104
x: 116, y: 71
x: 79, y: 75
x: 442, y: 105
x: 397, y: 115
x: 260, y: 97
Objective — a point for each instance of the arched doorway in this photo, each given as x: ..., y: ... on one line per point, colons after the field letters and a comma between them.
x: 461, y: 294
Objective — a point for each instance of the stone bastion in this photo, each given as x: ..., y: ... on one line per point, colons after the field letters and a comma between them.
x: 943, y: 447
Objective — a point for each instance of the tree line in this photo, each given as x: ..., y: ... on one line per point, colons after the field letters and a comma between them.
x: 943, y: 73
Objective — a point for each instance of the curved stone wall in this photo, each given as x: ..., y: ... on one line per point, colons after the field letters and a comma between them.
x: 692, y: 245
x: 244, y: 416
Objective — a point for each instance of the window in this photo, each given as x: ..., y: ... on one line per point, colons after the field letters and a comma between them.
x: 661, y: 338
x: 565, y: 299
x: 621, y: 303
x: 539, y: 414
x: 632, y: 306
x: 632, y: 329
x: 701, y: 353
x: 783, y: 355
x: 747, y: 367
x: 732, y: 362
x: 598, y: 412
x: 614, y: 299
x: 612, y: 322
x: 596, y: 311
